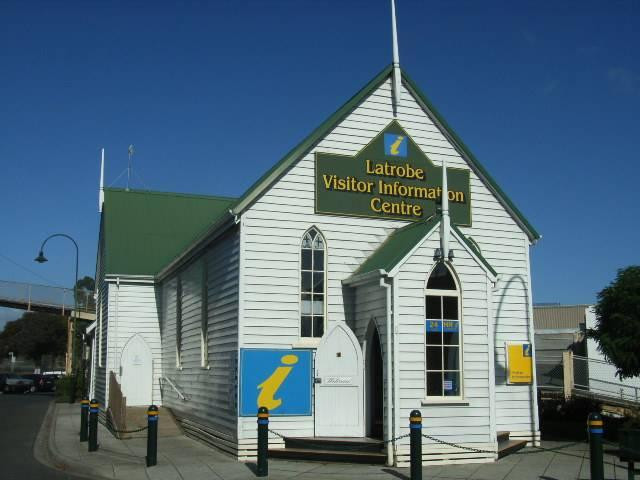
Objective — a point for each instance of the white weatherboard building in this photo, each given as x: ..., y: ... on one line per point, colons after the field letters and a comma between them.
x: 335, y: 291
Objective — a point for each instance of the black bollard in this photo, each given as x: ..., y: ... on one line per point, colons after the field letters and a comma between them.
x: 152, y: 436
x: 84, y: 418
x: 262, y: 469
x: 631, y: 471
x: 596, y: 430
x: 94, y: 408
x: 415, y: 429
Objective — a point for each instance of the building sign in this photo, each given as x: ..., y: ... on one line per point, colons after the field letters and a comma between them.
x: 519, y: 363
x: 389, y: 178
x: 280, y: 380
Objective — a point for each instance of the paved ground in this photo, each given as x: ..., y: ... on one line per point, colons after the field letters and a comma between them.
x: 20, y: 419
x: 185, y: 459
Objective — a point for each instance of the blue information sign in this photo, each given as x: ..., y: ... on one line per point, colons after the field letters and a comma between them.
x: 280, y: 380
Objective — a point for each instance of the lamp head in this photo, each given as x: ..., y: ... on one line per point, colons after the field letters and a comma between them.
x: 40, y: 258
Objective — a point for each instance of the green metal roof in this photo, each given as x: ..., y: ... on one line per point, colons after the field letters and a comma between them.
x: 401, y: 241
x: 143, y: 230
x: 323, y: 130
x: 396, y: 246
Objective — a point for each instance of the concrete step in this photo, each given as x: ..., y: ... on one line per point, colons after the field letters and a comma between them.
x: 327, y: 456
x: 334, y: 444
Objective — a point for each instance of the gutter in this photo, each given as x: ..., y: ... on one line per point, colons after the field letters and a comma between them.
x: 363, y: 278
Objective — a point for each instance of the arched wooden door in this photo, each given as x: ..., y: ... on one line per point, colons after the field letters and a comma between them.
x: 137, y: 372
x: 339, y: 398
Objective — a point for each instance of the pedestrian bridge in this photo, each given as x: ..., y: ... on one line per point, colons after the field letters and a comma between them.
x: 48, y: 299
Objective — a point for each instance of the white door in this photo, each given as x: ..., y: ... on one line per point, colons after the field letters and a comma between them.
x: 137, y: 372
x: 339, y: 398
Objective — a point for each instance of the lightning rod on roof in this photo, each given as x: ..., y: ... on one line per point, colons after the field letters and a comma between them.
x: 397, y: 75
x: 131, y: 152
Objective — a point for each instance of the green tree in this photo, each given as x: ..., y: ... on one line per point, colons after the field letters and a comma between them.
x: 35, y: 334
x: 618, y: 322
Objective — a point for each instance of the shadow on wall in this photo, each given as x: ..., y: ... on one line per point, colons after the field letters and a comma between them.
x: 501, y: 368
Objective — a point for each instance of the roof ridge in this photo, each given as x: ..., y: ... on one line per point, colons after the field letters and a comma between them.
x: 170, y: 194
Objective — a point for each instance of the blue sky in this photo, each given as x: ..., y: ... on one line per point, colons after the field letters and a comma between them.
x: 546, y: 94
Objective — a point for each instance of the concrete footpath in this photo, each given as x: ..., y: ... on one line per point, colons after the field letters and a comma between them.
x: 186, y: 459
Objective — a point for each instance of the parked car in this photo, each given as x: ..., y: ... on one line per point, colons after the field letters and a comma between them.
x: 11, y: 382
x: 43, y: 383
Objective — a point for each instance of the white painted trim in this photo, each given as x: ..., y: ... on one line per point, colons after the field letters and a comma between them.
x: 364, y: 278
x: 443, y: 401
x: 389, y: 414
x: 115, y: 278
x: 91, y: 327
x: 241, y: 288
x: 491, y: 348
x: 396, y: 369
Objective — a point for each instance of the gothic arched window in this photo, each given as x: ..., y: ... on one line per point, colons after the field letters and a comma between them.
x: 312, y: 284
x: 443, y: 340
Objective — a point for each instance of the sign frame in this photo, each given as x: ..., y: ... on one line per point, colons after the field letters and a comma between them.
x: 456, y: 176
x: 243, y: 410
x: 516, y: 358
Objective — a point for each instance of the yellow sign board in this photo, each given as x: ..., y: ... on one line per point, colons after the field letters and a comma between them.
x: 519, y: 363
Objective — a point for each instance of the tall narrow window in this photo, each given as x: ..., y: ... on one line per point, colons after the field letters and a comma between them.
x: 204, y: 316
x: 443, y: 335
x: 312, y: 285
x: 179, y: 322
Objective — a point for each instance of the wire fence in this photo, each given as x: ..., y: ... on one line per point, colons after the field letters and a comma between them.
x: 33, y: 295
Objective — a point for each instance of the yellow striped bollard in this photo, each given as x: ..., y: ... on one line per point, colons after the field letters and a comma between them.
x: 596, y: 430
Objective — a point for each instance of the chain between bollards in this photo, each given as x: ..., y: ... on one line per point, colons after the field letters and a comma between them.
x: 262, y: 469
x: 84, y: 419
x: 94, y: 409
x: 415, y: 437
x: 152, y: 436
x: 596, y: 430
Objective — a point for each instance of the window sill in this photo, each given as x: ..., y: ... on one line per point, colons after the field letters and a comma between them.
x: 445, y: 401
x: 306, y: 343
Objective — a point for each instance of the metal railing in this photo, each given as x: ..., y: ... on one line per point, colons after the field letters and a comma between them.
x: 184, y: 397
x: 33, y: 295
x: 598, y: 377
x: 580, y: 376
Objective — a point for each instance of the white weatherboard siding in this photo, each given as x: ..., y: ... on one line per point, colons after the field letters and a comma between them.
x: 468, y: 423
x: 133, y: 310
x: 210, y: 411
x: 274, y: 225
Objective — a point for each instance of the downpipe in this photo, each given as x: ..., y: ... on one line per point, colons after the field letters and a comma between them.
x: 389, y: 412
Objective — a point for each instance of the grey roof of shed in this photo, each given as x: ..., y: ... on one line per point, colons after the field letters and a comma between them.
x: 558, y: 316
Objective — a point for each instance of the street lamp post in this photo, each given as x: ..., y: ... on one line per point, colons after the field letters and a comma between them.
x: 41, y: 259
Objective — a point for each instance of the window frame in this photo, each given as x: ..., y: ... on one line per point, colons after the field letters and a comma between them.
x: 457, y: 293
x: 305, y: 341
